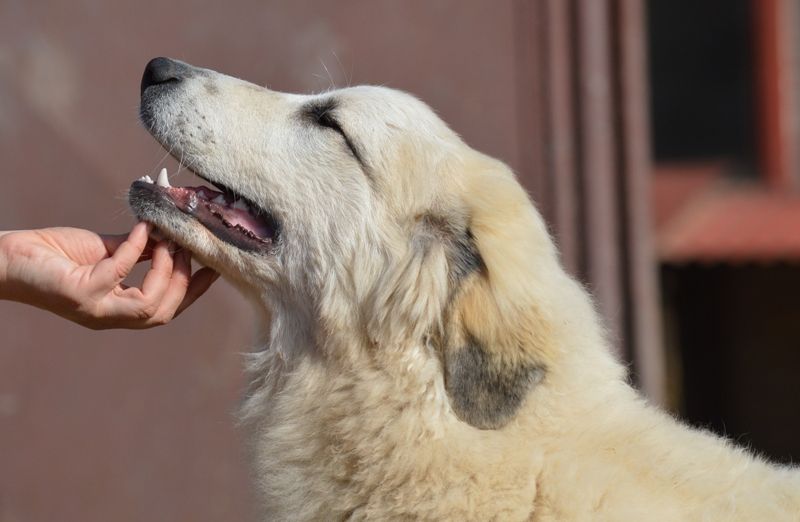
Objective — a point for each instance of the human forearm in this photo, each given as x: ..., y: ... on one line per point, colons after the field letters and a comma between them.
x: 4, y: 260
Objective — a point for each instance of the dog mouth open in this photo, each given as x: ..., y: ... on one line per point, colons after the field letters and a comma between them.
x: 226, y: 214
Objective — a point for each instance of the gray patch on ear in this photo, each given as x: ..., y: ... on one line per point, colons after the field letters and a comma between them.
x: 485, y: 392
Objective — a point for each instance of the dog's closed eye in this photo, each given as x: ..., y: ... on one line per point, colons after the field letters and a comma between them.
x: 323, y: 115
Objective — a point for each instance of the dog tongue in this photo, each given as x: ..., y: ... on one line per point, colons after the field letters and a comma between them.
x: 246, y: 220
x: 233, y: 212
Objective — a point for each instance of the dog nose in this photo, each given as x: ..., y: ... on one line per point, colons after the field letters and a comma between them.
x: 162, y: 70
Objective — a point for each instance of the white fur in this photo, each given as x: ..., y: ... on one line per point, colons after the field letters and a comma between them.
x: 349, y: 409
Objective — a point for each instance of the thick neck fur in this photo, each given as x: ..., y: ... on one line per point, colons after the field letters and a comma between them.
x: 371, y: 435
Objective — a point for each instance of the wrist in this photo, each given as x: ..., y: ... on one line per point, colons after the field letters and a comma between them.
x: 4, y: 260
x: 9, y: 242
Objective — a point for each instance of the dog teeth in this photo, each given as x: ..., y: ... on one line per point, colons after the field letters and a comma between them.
x: 219, y: 200
x: 163, y: 179
x: 145, y: 179
x: 241, y: 205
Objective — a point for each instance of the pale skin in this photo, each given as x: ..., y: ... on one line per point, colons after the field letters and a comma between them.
x: 79, y: 275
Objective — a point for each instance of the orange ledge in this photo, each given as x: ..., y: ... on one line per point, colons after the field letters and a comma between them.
x: 702, y: 217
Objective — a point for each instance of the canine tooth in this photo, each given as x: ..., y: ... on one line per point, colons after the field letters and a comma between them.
x: 163, y: 180
x: 241, y: 205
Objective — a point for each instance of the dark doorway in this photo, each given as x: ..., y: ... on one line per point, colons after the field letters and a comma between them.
x: 701, y: 71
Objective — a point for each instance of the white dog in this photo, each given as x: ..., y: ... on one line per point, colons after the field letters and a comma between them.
x: 428, y: 357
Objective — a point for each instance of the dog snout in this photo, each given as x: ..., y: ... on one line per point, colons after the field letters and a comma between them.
x: 164, y: 71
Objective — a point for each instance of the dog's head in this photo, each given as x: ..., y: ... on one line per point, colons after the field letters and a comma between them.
x: 360, y: 209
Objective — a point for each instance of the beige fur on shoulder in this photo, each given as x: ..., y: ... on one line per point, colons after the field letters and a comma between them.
x: 428, y: 358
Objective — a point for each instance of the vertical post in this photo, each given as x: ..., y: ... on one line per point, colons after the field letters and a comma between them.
x: 776, y: 100
x: 561, y: 123
x: 644, y: 324
x: 591, y: 162
x: 598, y: 164
x: 530, y: 25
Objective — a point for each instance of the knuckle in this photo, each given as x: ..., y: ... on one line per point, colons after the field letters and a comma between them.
x: 183, y: 282
x: 148, y: 310
x: 160, y: 319
x: 121, y: 271
x: 86, y: 308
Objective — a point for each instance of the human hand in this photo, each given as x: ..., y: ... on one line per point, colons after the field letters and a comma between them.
x: 78, y: 275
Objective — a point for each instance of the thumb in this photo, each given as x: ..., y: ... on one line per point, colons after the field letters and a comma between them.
x: 111, y: 271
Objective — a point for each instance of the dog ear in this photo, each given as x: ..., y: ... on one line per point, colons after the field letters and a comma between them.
x: 467, y: 283
x: 494, y: 343
x: 488, y: 372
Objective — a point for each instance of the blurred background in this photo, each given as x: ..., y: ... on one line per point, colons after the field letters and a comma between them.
x: 659, y: 138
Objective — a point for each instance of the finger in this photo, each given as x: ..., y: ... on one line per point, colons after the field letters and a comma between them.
x: 112, y: 242
x: 201, y: 281
x: 157, y: 279
x: 111, y: 271
x: 176, y: 290
x: 144, y: 307
x: 146, y: 254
